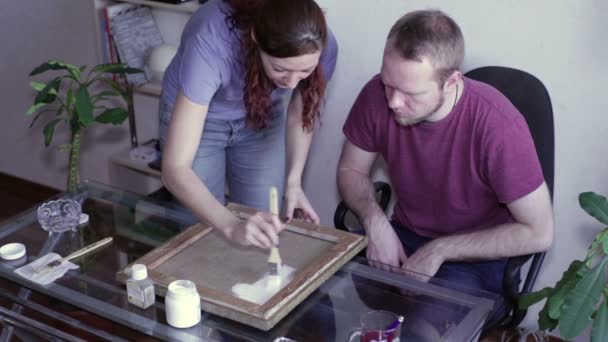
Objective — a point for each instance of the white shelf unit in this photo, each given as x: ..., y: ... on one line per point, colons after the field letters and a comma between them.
x: 186, y: 7
x: 123, y: 158
x: 152, y: 88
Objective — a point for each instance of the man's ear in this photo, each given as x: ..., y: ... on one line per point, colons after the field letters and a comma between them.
x: 452, y: 80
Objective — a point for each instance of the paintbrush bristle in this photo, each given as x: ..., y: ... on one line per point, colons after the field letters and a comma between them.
x: 274, y: 257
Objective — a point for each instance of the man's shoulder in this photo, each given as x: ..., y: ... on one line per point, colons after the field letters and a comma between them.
x: 489, y: 102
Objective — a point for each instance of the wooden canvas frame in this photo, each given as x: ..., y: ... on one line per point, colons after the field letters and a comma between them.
x: 265, y: 316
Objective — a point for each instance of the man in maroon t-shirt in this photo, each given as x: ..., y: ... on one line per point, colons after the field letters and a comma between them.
x: 470, y: 190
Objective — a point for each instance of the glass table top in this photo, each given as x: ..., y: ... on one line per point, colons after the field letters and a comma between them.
x: 433, y: 311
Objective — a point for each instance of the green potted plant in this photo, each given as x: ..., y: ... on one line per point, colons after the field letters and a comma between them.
x: 580, y: 297
x: 79, y: 97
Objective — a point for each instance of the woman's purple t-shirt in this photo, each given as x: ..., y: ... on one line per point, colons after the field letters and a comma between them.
x: 457, y: 174
x: 208, y: 67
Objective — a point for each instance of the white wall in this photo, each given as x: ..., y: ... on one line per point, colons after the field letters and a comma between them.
x: 560, y: 42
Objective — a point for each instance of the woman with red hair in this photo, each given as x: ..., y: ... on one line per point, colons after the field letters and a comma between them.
x: 223, y: 116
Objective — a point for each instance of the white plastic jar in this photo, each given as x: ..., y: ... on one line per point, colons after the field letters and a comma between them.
x: 182, y: 304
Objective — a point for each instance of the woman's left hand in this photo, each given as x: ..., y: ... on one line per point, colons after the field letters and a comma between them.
x: 295, y: 200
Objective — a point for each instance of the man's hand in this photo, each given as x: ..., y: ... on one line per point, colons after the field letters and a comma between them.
x: 296, y: 199
x: 384, y: 245
x: 426, y: 260
x: 260, y: 230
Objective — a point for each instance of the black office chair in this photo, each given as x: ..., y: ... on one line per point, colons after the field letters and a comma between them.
x: 530, y: 97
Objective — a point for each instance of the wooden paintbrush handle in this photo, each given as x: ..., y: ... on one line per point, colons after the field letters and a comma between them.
x: 274, y: 200
x: 88, y: 248
x: 274, y: 256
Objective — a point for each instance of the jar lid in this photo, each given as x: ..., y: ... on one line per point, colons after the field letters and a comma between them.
x: 139, y: 272
x: 12, y: 251
x: 182, y: 288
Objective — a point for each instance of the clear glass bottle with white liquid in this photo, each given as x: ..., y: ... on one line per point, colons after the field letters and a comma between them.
x: 140, y: 288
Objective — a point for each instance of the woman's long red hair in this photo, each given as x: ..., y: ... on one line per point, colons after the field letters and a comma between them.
x: 283, y: 28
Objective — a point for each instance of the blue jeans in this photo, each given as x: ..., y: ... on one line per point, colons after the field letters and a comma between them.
x: 250, y: 160
x: 468, y: 277
x: 482, y: 275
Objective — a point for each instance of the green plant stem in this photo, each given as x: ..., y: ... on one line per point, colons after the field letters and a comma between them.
x: 74, y: 172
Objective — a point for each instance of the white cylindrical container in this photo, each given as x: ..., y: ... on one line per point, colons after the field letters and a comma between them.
x: 159, y: 60
x: 182, y: 304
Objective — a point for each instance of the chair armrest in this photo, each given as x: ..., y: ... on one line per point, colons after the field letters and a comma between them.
x: 511, y: 283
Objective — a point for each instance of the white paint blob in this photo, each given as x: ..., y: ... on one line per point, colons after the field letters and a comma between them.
x: 266, y: 287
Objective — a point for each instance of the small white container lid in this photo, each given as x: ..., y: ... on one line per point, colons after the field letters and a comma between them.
x: 139, y: 272
x: 12, y: 251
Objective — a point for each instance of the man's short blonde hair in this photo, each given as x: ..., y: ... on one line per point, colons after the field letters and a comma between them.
x: 431, y: 34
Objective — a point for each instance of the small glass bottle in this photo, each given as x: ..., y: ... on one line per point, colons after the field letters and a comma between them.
x: 140, y: 289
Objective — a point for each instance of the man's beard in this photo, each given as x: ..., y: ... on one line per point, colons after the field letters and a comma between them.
x: 417, y: 120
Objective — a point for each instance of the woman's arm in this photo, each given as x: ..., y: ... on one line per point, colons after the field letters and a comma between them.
x: 185, y: 132
x: 297, y: 142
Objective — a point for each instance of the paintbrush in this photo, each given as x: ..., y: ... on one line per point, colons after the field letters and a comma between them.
x: 274, y: 259
x: 74, y: 255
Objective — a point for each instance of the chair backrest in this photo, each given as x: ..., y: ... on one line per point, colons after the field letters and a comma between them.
x: 530, y: 97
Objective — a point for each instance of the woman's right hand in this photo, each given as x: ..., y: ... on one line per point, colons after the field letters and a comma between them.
x: 261, y: 230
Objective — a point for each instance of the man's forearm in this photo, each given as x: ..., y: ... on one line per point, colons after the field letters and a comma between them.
x: 502, y: 241
x: 531, y: 231
x: 357, y: 191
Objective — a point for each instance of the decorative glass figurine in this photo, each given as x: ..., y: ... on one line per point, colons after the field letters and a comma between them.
x: 59, y: 215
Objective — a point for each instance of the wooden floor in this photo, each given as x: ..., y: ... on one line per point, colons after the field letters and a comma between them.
x: 17, y: 195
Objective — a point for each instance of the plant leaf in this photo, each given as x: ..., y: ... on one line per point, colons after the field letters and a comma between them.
x: 117, y: 88
x: 38, y: 86
x: 116, y: 68
x: 562, y: 288
x: 595, y: 205
x: 599, y: 330
x: 33, y: 108
x: 532, y: 298
x: 46, y: 66
x: 57, y: 65
x: 39, y: 115
x: 603, y: 239
x: 48, y: 131
x: 114, y: 116
x: 557, y: 299
x: 48, y: 94
x: 544, y: 321
x: 581, y: 302
x: 84, y: 107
